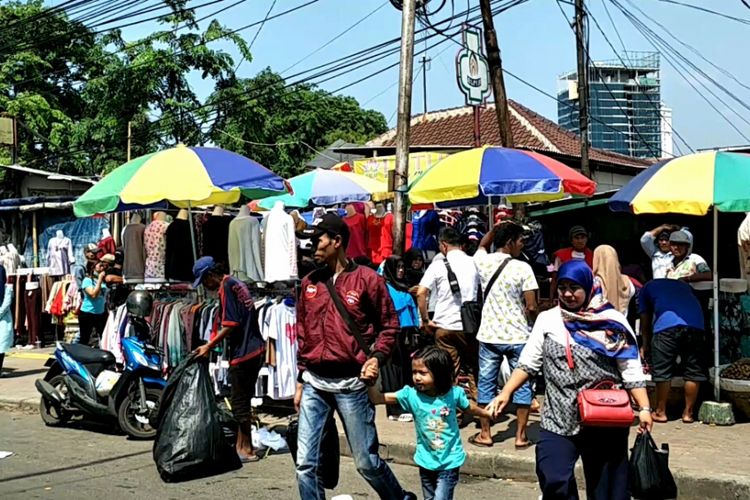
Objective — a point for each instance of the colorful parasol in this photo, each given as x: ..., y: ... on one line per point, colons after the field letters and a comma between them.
x: 328, y: 187
x: 472, y: 176
x: 692, y: 185
x: 183, y: 176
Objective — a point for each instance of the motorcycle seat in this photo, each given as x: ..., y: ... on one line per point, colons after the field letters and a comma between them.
x: 89, y: 355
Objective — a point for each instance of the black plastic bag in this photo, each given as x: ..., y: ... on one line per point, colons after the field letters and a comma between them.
x: 330, y: 454
x: 650, y: 478
x: 190, y: 441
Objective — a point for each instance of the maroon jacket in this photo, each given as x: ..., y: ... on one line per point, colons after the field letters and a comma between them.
x: 324, y: 344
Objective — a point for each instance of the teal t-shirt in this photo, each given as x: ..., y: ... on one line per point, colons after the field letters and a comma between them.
x: 93, y: 306
x: 439, y: 444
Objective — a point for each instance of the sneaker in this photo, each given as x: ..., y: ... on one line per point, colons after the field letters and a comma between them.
x: 406, y: 417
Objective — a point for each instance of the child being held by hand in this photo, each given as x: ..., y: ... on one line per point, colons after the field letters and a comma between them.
x: 433, y: 401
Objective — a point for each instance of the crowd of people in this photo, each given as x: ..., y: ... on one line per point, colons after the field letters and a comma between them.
x: 354, y: 327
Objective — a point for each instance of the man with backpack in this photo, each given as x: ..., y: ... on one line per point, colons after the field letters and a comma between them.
x: 510, y: 305
x: 346, y: 328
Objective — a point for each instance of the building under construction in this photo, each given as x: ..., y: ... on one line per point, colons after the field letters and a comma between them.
x: 625, y: 108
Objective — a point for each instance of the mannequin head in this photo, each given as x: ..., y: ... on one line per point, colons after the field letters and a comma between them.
x: 350, y: 210
x: 105, y: 233
x: 380, y: 210
x: 183, y: 214
x: 162, y: 216
x: 244, y: 211
x: 135, y: 218
x: 218, y: 210
x: 59, y: 233
x: 279, y: 205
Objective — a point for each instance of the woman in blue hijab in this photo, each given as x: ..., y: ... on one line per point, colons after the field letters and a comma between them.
x: 578, y: 345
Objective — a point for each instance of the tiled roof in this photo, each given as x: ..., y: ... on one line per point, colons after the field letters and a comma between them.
x: 455, y: 127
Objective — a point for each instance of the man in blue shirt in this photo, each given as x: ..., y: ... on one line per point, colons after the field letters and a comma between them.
x: 672, y: 325
x: 237, y: 319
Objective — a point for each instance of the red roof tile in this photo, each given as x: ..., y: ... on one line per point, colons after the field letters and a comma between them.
x: 455, y: 127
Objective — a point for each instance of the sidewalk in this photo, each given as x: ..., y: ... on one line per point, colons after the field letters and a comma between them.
x: 708, y: 462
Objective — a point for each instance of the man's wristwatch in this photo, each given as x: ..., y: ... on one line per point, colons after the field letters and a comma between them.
x: 646, y: 408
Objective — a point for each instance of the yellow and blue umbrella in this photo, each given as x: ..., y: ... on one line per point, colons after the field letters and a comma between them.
x: 183, y: 176
x: 321, y: 187
x: 692, y: 184
x: 471, y: 177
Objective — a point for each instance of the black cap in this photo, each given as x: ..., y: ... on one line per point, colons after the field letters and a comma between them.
x: 576, y: 230
x: 330, y: 224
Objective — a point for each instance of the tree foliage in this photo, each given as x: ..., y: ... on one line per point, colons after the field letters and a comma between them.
x: 74, y: 91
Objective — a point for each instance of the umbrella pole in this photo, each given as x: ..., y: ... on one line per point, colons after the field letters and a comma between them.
x: 716, y: 304
x: 193, y: 244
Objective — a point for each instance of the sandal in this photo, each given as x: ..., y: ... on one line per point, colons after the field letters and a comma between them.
x: 688, y: 420
x: 245, y: 459
x: 473, y: 440
x: 527, y: 444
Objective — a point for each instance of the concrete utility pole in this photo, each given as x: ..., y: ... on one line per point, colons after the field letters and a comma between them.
x: 402, y: 125
x: 583, y: 87
x: 496, y: 75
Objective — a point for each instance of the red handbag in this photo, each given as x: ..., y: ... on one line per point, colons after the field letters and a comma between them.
x: 600, y: 407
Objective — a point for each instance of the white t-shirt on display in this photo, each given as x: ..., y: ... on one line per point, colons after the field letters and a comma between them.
x: 504, y: 314
x: 447, y: 303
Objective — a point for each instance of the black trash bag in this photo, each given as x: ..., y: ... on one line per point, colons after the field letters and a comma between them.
x: 330, y: 455
x: 650, y: 478
x: 190, y: 440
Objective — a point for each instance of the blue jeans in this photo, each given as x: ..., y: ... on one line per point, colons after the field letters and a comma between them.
x: 357, y: 414
x: 438, y: 484
x: 490, y: 359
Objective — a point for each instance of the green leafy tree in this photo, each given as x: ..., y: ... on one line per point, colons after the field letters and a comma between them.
x: 248, y: 115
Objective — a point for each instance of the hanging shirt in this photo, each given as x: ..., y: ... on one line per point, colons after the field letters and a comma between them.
x: 134, y: 266
x: 155, y: 243
x: 107, y: 245
x: 281, y: 324
x: 426, y: 226
x: 237, y: 310
x: 374, y: 228
x: 245, y: 260
x: 386, y: 237
x: 357, y: 236
x: 280, y: 246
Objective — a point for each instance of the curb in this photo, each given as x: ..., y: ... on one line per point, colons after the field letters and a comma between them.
x: 522, y: 468
x: 23, y: 405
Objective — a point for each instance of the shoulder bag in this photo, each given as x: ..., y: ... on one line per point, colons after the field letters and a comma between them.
x: 603, y: 405
x: 471, y: 311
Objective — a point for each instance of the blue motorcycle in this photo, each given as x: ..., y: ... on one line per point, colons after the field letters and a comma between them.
x: 83, y: 380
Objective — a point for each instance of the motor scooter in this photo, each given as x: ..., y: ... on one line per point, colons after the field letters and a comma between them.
x: 82, y: 380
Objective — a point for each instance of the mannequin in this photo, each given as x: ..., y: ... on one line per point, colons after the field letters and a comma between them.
x: 134, y: 264
x: 215, y: 235
x: 357, y: 223
x: 179, y: 256
x: 155, y: 246
x: 183, y: 214
x: 12, y: 248
x: 59, y: 254
x: 244, y: 247
x: 374, y: 229
x: 280, y: 245
x: 218, y: 210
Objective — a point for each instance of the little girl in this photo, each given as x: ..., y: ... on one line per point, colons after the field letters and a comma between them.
x: 433, y: 401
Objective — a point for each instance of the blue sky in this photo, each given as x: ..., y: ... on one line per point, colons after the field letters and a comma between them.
x: 537, y: 45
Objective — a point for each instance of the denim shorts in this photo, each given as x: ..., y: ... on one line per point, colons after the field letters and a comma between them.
x: 490, y: 359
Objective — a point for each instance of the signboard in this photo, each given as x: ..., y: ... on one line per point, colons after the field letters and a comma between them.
x: 378, y: 168
x: 472, y: 69
x: 6, y: 131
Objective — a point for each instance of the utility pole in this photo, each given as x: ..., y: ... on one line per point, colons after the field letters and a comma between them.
x: 425, y: 61
x: 130, y: 137
x: 402, y: 125
x: 583, y: 86
x: 496, y: 75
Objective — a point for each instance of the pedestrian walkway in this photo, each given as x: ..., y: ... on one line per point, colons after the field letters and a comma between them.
x: 708, y: 461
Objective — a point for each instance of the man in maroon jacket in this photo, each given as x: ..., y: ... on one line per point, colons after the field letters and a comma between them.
x: 334, y: 369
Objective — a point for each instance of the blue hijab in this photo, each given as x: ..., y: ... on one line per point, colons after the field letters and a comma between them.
x: 588, y: 326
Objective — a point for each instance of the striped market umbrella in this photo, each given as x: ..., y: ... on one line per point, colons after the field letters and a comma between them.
x: 694, y: 184
x: 474, y: 176
x: 183, y: 176
x: 321, y: 187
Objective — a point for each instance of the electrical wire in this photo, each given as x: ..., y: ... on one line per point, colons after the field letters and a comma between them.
x: 587, y: 65
x: 708, y: 11
x: 260, y: 28
x: 668, y: 52
x: 622, y: 61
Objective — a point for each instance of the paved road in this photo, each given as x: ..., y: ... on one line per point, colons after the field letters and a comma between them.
x: 91, y: 463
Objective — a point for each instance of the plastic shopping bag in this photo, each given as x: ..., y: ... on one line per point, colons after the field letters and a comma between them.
x: 650, y: 478
x: 330, y: 454
x: 190, y: 441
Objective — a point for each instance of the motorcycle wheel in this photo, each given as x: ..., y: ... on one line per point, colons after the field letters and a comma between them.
x: 132, y: 422
x: 51, y: 415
